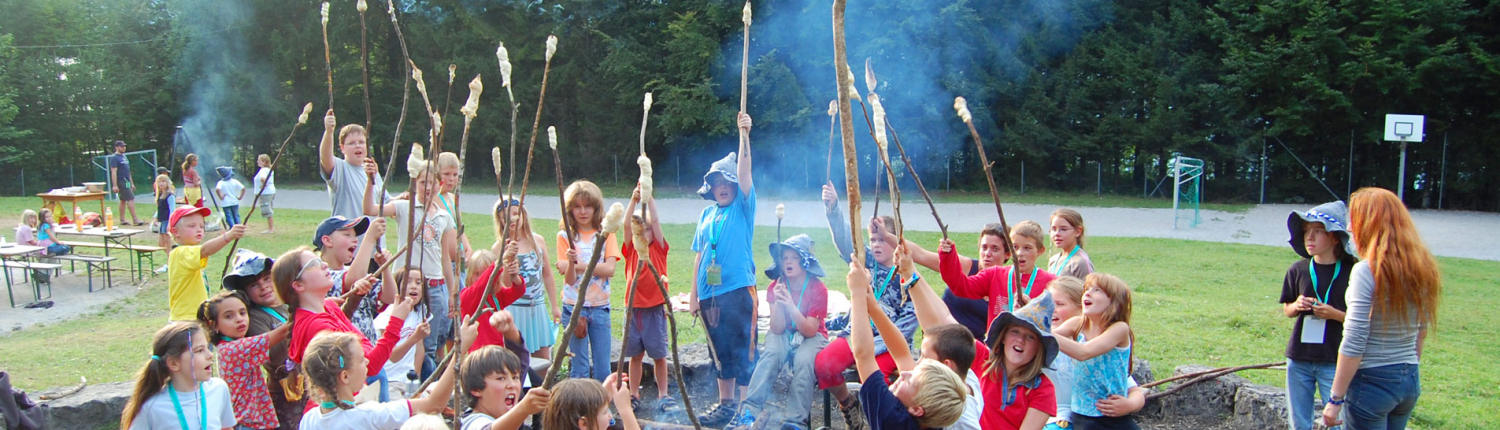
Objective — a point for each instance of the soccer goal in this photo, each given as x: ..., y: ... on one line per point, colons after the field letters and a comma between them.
x: 1187, y: 174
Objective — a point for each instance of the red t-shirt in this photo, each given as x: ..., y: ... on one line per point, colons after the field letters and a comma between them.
x: 649, y: 294
x: 813, y: 302
x: 1042, y: 398
x: 500, y: 298
x: 989, y: 284
x: 307, y: 324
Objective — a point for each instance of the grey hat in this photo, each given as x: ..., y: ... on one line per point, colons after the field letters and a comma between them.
x: 1036, y: 315
x: 804, y: 247
x: 225, y: 172
x: 1335, y: 218
x: 248, y: 266
x: 726, y: 167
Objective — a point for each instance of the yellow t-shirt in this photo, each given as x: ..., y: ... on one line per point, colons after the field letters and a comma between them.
x: 186, y: 287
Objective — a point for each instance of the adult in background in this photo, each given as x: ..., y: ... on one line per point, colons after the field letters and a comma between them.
x: 1393, y: 298
x: 120, y: 183
x: 264, y: 185
x: 347, y: 177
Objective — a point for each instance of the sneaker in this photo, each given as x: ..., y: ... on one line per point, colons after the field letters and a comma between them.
x: 162, y: 269
x: 854, y: 415
x: 745, y: 421
x: 719, y: 414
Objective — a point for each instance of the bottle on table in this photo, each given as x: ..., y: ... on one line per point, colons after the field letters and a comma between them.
x: 77, y: 218
x: 109, y: 219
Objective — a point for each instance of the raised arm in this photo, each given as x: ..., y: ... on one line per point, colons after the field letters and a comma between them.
x: 836, y: 224
x: 746, y: 182
x: 861, y: 339
x: 895, y: 339
x: 1112, y: 337
x: 929, y: 307
x: 654, y: 220
x: 325, y: 146
x: 958, y: 281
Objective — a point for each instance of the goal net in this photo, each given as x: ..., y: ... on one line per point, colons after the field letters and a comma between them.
x: 1187, y: 174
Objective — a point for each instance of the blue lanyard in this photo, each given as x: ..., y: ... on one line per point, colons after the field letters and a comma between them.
x: 883, y: 285
x: 1060, y: 267
x: 715, y: 233
x: 1312, y: 270
x: 1010, y: 283
x: 274, y: 314
x: 202, y: 409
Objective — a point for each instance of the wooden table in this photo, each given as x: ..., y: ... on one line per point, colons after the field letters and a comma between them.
x: 18, y: 253
x: 55, y: 201
x: 119, y: 237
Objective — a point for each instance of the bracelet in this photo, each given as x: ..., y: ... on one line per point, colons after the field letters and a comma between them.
x: 1337, y: 400
x: 911, y: 282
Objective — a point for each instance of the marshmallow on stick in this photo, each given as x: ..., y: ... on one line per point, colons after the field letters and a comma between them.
x: 362, y: 6
x: 646, y: 115
x: 495, y: 160
x: 325, y: 14
x: 551, y: 46
x: 471, y: 107
x: 645, y: 182
x: 780, y: 211
x: 552, y: 137
x: 416, y: 163
x: 503, y: 55
x: 614, y: 218
x: 306, y: 110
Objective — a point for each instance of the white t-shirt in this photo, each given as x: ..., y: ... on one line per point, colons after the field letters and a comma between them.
x: 429, y: 237
x: 231, y: 189
x: 159, y: 413
x: 477, y: 421
x: 973, y: 405
x: 368, y: 416
x: 264, y: 174
x: 396, y: 371
x: 1061, y: 375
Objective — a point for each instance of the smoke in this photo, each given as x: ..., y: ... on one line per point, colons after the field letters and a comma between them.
x: 923, y: 52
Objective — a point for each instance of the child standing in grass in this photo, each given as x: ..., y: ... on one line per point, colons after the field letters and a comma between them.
x: 176, y: 387
x: 647, y: 332
x: 997, y: 284
x: 1067, y: 236
x: 1102, y: 343
x: 186, y: 285
x: 227, y: 314
x: 432, y: 249
x: 166, y: 202
x: 538, y: 311
x: 230, y: 191
x: 586, y: 299
x: 192, y: 183
x: 1313, y: 294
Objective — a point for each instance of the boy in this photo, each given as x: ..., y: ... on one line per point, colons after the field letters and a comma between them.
x: 928, y: 394
x: 724, y: 272
x: 230, y: 191
x: 799, y: 303
x: 492, y: 376
x: 337, y: 242
x: 1313, y: 293
x: 998, y: 284
x: 432, y: 249
x: 647, y: 332
x: 347, y: 177
x: 186, y: 286
x: 972, y: 313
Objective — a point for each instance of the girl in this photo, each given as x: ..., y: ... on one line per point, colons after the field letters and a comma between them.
x: 192, y: 184
x: 1393, y: 298
x: 335, y: 369
x: 166, y: 202
x: 227, y: 315
x: 176, y: 387
x: 1067, y: 297
x: 1067, y: 236
x: 583, y: 404
x: 264, y: 184
x: 251, y: 278
x: 403, y: 361
x: 585, y: 205
x: 432, y: 250
x: 1103, y: 349
x: 536, y: 313
x: 44, y: 235
x: 1313, y: 293
x: 26, y: 230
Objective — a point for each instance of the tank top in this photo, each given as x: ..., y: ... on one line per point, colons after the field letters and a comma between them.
x: 1098, y: 378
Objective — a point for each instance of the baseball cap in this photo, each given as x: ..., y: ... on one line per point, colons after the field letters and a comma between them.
x: 119, y: 143
x: 183, y: 211
x: 336, y: 223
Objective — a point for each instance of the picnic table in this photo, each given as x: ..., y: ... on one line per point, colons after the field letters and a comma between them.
x: 13, y: 256
x: 54, y: 201
x: 118, y: 238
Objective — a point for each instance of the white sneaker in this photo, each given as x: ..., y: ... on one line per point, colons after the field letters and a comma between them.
x: 162, y: 269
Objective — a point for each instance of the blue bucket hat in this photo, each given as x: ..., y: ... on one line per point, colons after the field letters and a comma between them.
x: 225, y: 172
x: 804, y: 246
x: 726, y: 167
x: 1036, y: 315
x: 1335, y: 218
x: 248, y: 266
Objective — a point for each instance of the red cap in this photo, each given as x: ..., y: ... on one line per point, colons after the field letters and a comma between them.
x: 186, y: 210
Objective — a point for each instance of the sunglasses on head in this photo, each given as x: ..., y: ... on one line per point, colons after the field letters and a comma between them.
x: 309, y: 265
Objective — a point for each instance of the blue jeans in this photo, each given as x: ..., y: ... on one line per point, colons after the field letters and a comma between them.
x: 591, y: 353
x: 441, y: 325
x: 232, y: 215
x: 1382, y: 397
x: 1303, y: 380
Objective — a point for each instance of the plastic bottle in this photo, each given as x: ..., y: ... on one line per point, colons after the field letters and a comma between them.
x: 109, y: 219
x: 77, y: 218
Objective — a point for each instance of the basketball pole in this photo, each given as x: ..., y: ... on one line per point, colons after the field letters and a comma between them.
x: 1401, y: 176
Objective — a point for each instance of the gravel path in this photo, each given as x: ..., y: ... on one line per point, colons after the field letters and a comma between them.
x: 1448, y: 233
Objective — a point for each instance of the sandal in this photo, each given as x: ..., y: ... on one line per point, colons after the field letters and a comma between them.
x: 635, y: 403
x: 665, y: 403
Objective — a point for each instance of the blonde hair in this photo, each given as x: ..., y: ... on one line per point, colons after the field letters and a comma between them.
x: 329, y: 354
x: 1069, y: 287
x: 478, y: 261
x: 1119, y: 306
x: 163, y: 185
x: 1030, y: 230
x: 1406, y: 274
x: 497, y: 217
x: 447, y: 159
x: 941, y: 393
x: 30, y: 218
x: 582, y: 192
x: 994, y: 366
x: 188, y: 162
x: 264, y: 159
x: 1073, y: 218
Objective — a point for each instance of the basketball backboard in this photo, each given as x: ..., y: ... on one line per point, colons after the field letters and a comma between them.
x: 1404, y: 128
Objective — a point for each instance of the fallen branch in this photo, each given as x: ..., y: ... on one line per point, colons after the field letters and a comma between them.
x: 82, y: 382
x: 1200, y: 377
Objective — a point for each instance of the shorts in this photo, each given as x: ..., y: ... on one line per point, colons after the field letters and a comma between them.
x: 647, y: 332
x: 729, y: 321
x: 264, y: 205
x: 127, y: 194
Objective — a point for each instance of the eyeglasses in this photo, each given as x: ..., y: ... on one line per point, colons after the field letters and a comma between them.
x: 309, y: 265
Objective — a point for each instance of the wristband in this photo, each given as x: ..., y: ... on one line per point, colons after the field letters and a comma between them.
x: 911, y: 282
x: 1337, y: 400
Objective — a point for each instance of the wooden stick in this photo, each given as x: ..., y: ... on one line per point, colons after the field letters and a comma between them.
x: 745, y: 64
x: 447, y: 104
x: 918, y: 180
x: 629, y: 316
x: 687, y: 402
x: 560, y: 350
x: 833, y: 115
x: 364, y: 66
x: 1015, y: 267
x: 846, y: 127
x: 82, y: 382
x: 270, y: 170
x: 537, y: 124
x: 390, y: 167
x: 1202, y: 376
x: 514, y: 108
x: 567, y: 221
x: 327, y: 58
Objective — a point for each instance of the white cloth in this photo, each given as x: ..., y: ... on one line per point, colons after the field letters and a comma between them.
x: 973, y: 405
x: 477, y: 421
x: 264, y: 174
x: 231, y: 189
x: 429, y: 237
x: 159, y: 413
x: 396, y: 370
x: 369, y: 416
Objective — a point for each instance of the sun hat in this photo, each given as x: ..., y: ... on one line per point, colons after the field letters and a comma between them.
x: 804, y: 246
x: 726, y: 167
x: 336, y: 223
x: 248, y: 266
x: 225, y: 172
x: 1335, y: 218
x: 183, y: 211
x: 1036, y: 315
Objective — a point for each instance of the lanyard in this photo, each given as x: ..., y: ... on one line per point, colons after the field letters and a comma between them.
x: 1060, y: 267
x: 202, y: 409
x: 274, y: 314
x: 1010, y: 287
x: 886, y: 284
x: 715, y: 233
x: 1312, y: 269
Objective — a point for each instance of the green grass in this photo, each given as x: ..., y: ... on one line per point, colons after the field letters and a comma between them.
x: 1195, y: 302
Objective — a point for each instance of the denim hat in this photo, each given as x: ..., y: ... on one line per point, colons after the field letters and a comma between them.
x: 1335, y: 218
x: 336, y: 223
x: 248, y: 266
x: 726, y: 167
x: 225, y: 172
x: 1036, y: 315
x: 804, y: 247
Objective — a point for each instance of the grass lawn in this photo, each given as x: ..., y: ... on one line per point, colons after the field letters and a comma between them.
x: 1195, y: 302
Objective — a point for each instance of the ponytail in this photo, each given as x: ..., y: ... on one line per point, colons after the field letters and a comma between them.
x: 168, y: 343
x: 208, y: 313
x: 283, y: 274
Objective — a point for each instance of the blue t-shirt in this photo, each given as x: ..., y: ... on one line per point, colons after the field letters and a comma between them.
x: 731, y: 227
x: 883, y: 411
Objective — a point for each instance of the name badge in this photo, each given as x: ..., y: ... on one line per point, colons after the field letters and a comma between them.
x: 715, y: 275
x: 1313, y: 329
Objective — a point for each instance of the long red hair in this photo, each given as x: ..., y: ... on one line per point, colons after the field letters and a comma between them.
x: 1406, y: 274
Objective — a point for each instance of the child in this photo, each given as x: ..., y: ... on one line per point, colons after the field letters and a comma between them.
x: 335, y: 369
x: 186, y: 286
x: 799, y: 303
x: 230, y: 191
x: 1067, y: 235
x: 648, y: 331
x: 431, y: 251
x: 491, y: 307
x: 264, y: 184
x: 586, y: 207
x: 176, y: 387
x: 449, y: 176
x: 335, y: 240
x: 1067, y: 296
x: 972, y: 313
x: 404, y: 357
x: 227, y: 315
x: 491, y: 376
x: 44, y: 234
x: 583, y: 404
x: 927, y: 394
x: 724, y: 271
x: 26, y: 230
x: 251, y: 278
x: 998, y: 284
x: 192, y: 183
x: 537, y: 312
x: 890, y: 293
x: 1320, y: 237
x: 1103, y: 351
x: 166, y: 202
x: 348, y: 177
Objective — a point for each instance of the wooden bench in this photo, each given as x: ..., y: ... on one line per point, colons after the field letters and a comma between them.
x: 92, y: 261
x: 146, y: 253
x: 36, y: 284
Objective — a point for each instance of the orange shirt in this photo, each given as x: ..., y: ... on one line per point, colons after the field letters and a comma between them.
x: 649, y: 294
